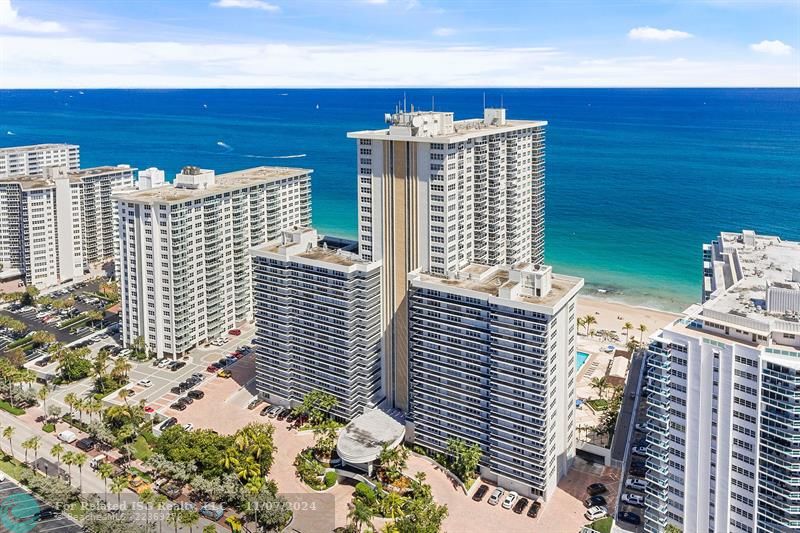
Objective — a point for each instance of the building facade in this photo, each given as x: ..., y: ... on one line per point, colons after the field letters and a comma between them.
x: 183, y: 260
x: 54, y: 227
x: 492, y: 362
x: 724, y: 391
x: 438, y: 194
x: 34, y: 159
x: 317, y: 314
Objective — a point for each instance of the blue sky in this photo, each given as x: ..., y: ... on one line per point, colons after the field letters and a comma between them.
x: 398, y: 43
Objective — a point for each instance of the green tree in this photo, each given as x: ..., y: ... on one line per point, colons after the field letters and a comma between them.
x: 588, y: 322
x: 42, y: 337
x: 627, y: 329
x: 32, y: 443
x: 599, y: 384
x: 642, y: 330
x: 189, y: 518
x: 42, y: 394
x: 325, y: 435
x: 105, y: 471
x: 464, y: 458
x: 317, y: 406
x: 8, y: 433
x: 69, y: 460
x: 361, y: 515
x: 118, y: 484
x: 57, y: 451
x: 80, y: 460
x: 147, y: 497
x: 672, y: 529
x: 392, y: 462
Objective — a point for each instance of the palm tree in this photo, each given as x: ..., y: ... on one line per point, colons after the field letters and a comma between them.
x: 392, y: 505
x: 147, y: 497
x: 118, y: 484
x: 121, y: 368
x: 159, y: 502
x: 42, y: 337
x: 599, y: 384
x: 248, y: 468
x: 189, y: 517
x: 588, y: 321
x: 642, y: 329
x: 57, y: 451
x: 8, y: 432
x: 581, y: 322
x: 361, y: 514
x: 230, y: 458
x: 71, y: 400
x: 42, y: 395
x: 627, y: 329
x: 32, y: 443
x: 80, y: 460
x: 105, y: 471
x: 174, y: 517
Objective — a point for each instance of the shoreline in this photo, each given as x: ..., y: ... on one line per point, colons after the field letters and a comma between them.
x: 612, y: 315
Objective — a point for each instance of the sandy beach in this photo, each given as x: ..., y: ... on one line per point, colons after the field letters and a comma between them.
x: 613, y: 315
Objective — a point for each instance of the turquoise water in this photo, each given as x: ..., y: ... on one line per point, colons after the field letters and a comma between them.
x: 637, y: 179
x: 580, y: 359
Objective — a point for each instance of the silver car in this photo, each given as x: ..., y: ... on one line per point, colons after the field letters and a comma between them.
x: 497, y: 494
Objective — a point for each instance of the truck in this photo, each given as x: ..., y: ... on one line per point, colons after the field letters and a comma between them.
x: 97, y: 460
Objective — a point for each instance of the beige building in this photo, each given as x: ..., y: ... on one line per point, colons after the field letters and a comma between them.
x: 439, y: 194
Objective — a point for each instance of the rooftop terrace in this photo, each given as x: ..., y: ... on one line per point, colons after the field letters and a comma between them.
x: 30, y: 147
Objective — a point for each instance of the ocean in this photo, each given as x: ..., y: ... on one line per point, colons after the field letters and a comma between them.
x: 637, y: 179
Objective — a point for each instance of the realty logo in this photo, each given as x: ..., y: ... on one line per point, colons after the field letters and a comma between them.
x: 17, y: 512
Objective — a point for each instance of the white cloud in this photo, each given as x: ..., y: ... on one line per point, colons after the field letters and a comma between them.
x: 647, y: 33
x: 444, y: 32
x: 72, y: 62
x: 9, y: 18
x: 247, y: 4
x: 376, y: 2
x: 775, y: 48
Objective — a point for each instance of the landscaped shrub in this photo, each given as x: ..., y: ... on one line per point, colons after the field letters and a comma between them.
x: 49, y: 428
x: 365, y: 492
x: 5, y: 406
x: 330, y: 479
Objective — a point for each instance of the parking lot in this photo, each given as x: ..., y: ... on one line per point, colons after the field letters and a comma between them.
x: 20, y: 507
x: 28, y: 316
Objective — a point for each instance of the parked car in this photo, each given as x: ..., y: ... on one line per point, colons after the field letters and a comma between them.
x: 638, y: 472
x: 534, y: 509
x: 636, y: 500
x: 636, y: 484
x: 44, y: 361
x: 521, y: 505
x: 631, y: 518
x: 164, y: 362
x: 175, y: 390
x: 480, y: 493
x: 222, y: 363
x: 497, y: 493
x: 67, y: 436
x: 235, y: 332
x: 185, y: 400
x: 212, y: 511
x: 144, y: 383
x: 596, y: 488
x: 231, y: 360
x: 594, y: 501
x: 196, y: 394
x: 595, y: 513
x: 265, y: 410
x: 274, y: 411
x: 178, y: 406
x: 137, y: 484
x: 283, y: 413
x: 86, y: 444
x: 255, y: 402
x: 170, y: 490
x: 641, y: 427
x: 96, y: 461
x: 149, y: 409
x: 45, y: 514
x: 212, y: 368
x: 509, y: 500
x: 168, y: 423
x: 177, y: 365
x: 224, y: 373
x: 639, y: 450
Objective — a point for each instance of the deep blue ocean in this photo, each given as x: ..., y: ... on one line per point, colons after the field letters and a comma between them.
x: 637, y: 179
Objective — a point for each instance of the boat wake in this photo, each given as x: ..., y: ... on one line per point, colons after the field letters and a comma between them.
x: 9, y: 132
x: 223, y: 145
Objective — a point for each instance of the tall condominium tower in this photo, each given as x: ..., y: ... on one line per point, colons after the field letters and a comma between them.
x: 317, y: 312
x: 33, y: 160
x: 724, y: 384
x: 184, y: 262
x: 55, y: 226
x: 492, y: 354
x: 438, y: 194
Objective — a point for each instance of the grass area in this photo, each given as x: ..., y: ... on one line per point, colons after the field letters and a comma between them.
x: 141, y: 450
x: 70, y: 321
x: 598, y: 404
x: 48, y: 428
x: 16, y: 411
x: 20, y: 342
x: 10, y: 466
x: 603, y: 525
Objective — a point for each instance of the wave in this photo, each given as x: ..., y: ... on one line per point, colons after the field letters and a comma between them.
x: 9, y: 132
x: 223, y: 145
x: 255, y: 156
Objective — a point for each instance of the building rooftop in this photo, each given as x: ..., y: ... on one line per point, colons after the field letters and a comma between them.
x: 439, y: 126
x: 222, y: 183
x: 48, y: 146
x: 513, y: 283
x: 362, y: 440
x: 304, y: 243
x: 27, y: 182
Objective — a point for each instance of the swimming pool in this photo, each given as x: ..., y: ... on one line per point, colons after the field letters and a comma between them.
x: 580, y: 359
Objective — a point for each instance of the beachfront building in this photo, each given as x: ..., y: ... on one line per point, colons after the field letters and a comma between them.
x: 184, y: 263
x: 317, y: 314
x: 58, y: 225
x: 492, y: 362
x: 724, y: 391
x: 439, y: 194
x: 34, y: 159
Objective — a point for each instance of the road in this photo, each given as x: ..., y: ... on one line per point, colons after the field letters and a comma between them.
x: 620, y: 444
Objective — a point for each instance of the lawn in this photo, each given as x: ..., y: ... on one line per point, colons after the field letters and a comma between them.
x: 16, y: 411
x: 141, y: 450
x: 598, y: 404
x: 10, y: 466
x: 603, y: 525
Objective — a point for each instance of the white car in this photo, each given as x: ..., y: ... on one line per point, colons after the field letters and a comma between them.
x: 67, y: 436
x: 144, y: 383
x: 494, y: 499
x: 636, y: 484
x: 633, y: 499
x: 188, y: 427
x: 640, y: 450
x: 642, y: 427
x: 164, y: 362
x: 511, y: 497
x: 596, y: 513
